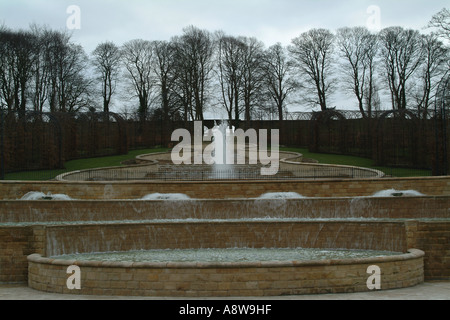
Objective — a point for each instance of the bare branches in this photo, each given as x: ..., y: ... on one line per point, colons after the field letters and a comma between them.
x: 138, y: 58
x: 433, y: 67
x: 18, y: 52
x: 278, y: 77
x: 230, y: 64
x: 359, y: 49
x: 42, y: 69
x: 402, y: 55
x: 253, y: 76
x: 312, y: 52
x: 166, y: 74
x: 107, y: 60
x: 441, y: 22
x: 194, y: 55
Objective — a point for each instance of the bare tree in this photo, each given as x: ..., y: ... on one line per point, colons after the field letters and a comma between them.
x: 7, y: 83
x: 230, y: 59
x: 359, y: 49
x: 18, y: 55
x: 402, y: 54
x: 25, y: 50
x: 164, y: 64
x: 54, y: 59
x: 42, y: 67
x: 166, y: 75
x: 312, y: 52
x: 441, y: 21
x: 64, y: 74
x: 433, y: 67
x: 74, y: 88
x: 195, y: 52
x: 107, y: 61
x: 278, y: 77
x: 79, y: 94
x: 138, y: 59
x: 253, y: 76
x: 183, y: 87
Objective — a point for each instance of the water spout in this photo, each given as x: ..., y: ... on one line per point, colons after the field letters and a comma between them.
x: 281, y: 195
x: 397, y: 193
x: 223, y: 157
x: 166, y: 196
x: 33, y: 195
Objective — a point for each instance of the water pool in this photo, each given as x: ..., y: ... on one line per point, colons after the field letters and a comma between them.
x: 227, y: 255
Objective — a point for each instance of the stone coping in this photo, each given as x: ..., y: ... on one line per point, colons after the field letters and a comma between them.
x: 249, y: 200
x: 410, y: 255
x: 146, y: 182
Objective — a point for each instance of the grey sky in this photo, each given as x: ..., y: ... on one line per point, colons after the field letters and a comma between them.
x: 268, y: 20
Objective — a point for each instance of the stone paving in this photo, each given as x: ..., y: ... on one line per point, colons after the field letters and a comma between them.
x: 439, y: 290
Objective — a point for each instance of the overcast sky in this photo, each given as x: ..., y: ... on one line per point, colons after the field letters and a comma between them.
x: 270, y: 21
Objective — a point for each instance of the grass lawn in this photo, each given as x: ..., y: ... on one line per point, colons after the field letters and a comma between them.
x: 359, y: 162
x: 81, y: 164
x: 114, y: 161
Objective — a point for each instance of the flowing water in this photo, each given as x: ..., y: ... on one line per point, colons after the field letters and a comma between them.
x: 227, y: 255
x: 36, y: 195
x: 397, y: 193
x: 281, y: 195
x: 166, y: 196
x: 33, y: 195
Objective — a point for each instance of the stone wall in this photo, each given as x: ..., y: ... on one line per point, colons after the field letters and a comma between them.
x: 230, y: 279
x: 18, y: 242
x: 33, y: 235
x: 430, y: 186
x: 16, y: 211
x: 434, y: 239
x: 384, y: 236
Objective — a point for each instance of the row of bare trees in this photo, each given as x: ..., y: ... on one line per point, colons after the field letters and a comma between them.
x: 409, y: 64
x: 168, y: 79
x: 201, y: 71
x: 42, y: 68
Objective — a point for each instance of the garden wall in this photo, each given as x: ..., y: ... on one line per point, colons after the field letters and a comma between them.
x: 231, y: 279
x: 430, y: 186
x: 20, y: 241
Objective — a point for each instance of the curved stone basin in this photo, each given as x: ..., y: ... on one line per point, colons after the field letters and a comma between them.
x: 195, y: 279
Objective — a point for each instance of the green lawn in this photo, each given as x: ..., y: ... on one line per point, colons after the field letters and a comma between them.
x: 114, y: 161
x: 81, y: 164
x: 359, y: 162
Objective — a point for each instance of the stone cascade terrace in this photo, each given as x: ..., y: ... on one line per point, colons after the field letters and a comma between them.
x: 402, y: 225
